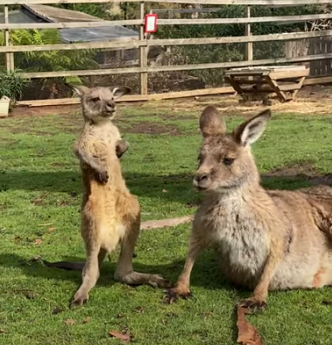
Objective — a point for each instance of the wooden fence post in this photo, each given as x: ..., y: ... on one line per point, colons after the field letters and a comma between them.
x: 143, y: 55
x: 9, y: 56
x: 249, y: 45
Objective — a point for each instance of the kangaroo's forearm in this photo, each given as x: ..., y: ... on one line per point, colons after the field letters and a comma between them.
x: 273, y: 260
x: 121, y: 147
x: 88, y: 159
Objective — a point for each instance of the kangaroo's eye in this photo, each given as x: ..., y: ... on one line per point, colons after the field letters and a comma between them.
x: 95, y: 99
x: 228, y: 161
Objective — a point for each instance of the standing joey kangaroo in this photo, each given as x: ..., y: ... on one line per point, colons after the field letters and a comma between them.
x: 265, y: 240
x: 110, y: 214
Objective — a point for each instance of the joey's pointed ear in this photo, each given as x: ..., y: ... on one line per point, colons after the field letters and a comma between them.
x: 120, y: 91
x: 211, y: 122
x: 80, y: 89
x: 249, y: 131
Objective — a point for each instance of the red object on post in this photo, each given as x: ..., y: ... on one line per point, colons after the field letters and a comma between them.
x: 150, y: 23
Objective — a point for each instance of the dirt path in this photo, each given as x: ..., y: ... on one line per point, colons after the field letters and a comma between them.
x: 311, y: 100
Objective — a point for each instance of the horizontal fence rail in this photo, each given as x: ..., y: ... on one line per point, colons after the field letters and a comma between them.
x: 132, y: 43
x: 16, y: 26
x: 199, y: 2
x: 252, y: 20
x: 143, y: 43
x: 262, y: 62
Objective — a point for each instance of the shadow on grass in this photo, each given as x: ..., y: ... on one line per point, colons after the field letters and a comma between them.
x: 179, y: 186
x: 206, y: 274
x: 173, y: 187
x: 205, y: 268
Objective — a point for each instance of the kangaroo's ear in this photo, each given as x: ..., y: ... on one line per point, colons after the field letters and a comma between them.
x: 248, y: 132
x: 81, y: 90
x: 211, y: 122
x: 120, y: 91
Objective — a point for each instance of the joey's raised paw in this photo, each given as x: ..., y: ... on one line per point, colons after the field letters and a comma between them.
x: 78, y: 300
x: 157, y: 281
x: 253, y: 304
x: 102, y: 177
x: 173, y: 295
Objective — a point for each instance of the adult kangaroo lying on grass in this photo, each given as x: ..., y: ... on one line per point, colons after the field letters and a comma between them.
x: 110, y: 213
x: 266, y: 240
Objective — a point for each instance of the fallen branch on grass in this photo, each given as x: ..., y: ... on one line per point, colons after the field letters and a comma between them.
x: 247, y: 333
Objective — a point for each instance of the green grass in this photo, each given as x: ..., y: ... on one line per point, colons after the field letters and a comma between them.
x: 40, y: 190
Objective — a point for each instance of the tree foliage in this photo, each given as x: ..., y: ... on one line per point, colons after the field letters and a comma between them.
x: 97, y: 10
x: 233, y: 52
x: 46, y: 61
x: 32, y: 61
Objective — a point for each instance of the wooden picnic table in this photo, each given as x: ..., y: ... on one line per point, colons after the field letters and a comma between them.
x: 284, y: 81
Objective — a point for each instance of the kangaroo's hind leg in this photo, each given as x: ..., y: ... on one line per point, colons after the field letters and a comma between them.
x: 94, y: 257
x: 90, y: 275
x: 124, y: 270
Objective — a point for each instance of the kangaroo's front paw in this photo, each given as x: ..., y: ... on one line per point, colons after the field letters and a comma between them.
x: 102, y: 177
x: 253, y: 303
x: 121, y: 147
x: 78, y: 300
x: 158, y: 281
x: 173, y: 295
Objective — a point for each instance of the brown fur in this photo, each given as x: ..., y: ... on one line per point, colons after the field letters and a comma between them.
x: 265, y: 240
x: 110, y: 213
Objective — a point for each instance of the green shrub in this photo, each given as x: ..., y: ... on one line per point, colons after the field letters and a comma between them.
x: 12, y: 85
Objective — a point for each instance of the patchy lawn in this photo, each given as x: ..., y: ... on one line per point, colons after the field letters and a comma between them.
x: 40, y: 190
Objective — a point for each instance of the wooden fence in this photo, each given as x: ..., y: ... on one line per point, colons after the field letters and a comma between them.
x: 144, y: 42
x: 321, y: 67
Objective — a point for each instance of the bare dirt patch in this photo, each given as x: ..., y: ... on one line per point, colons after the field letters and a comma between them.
x: 179, y: 117
x: 303, y: 171
x: 58, y: 164
x: 25, y: 130
x: 7, y: 142
x: 47, y: 110
x: 153, y: 128
x: 310, y: 100
x: 38, y: 201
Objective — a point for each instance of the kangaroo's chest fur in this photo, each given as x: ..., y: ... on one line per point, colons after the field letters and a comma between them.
x: 100, y: 140
x: 242, y: 231
x: 239, y: 238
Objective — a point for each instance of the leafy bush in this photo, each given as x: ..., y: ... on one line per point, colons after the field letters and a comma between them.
x: 231, y: 52
x: 12, y: 85
x: 97, y: 10
x: 45, y: 61
x: 31, y: 61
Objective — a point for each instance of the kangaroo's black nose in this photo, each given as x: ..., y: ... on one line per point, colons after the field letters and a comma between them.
x: 201, y: 177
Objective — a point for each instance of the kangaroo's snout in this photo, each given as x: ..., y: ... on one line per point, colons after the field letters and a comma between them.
x: 201, y: 180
